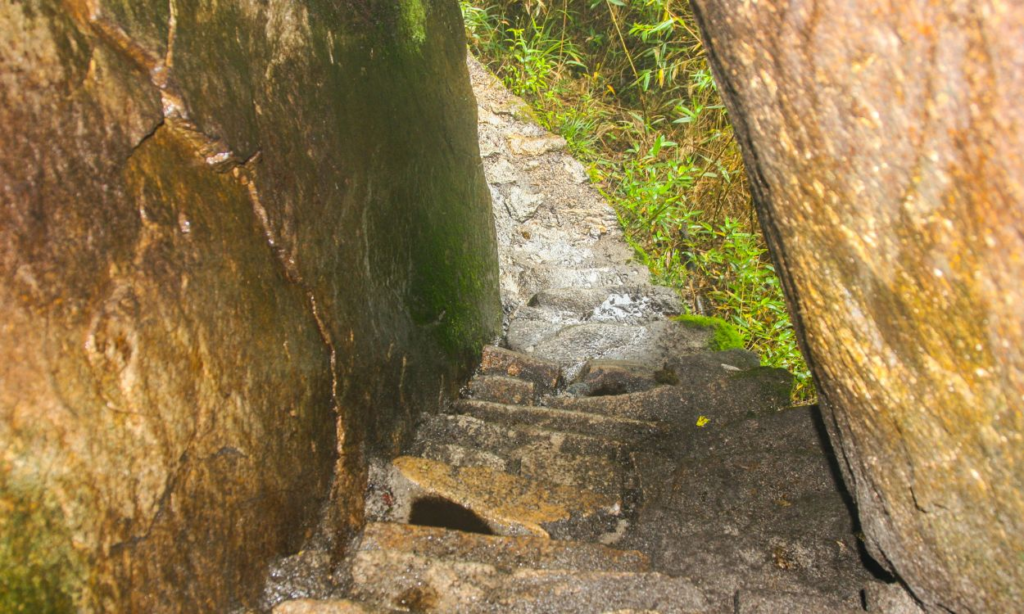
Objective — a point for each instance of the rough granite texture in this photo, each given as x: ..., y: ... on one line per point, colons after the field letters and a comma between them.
x: 885, y: 148
x: 242, y: 245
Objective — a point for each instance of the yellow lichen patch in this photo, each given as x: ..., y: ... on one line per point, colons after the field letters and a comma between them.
x: 514, y: 504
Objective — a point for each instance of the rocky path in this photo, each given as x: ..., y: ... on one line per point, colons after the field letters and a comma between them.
x: 605, y: 459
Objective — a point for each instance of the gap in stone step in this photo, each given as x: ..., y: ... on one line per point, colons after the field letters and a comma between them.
x: 440, y: 512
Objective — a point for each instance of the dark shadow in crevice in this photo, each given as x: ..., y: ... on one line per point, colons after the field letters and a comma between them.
x: 439, y: 512
x: 869, y: 563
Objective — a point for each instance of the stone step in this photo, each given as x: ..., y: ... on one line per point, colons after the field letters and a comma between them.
x: 635, y: 303
x: 699, y: 368
x: 664, y: 403
x: 653, y: 343
x: 328, y: 606
x: 503, y: 440
x: 770, y: 602
x: 402, y: 580
x: 504, y: 553
x: 461, y: 456
x: 506, y: 504
x: 544, y: 276
x: 539, y: 461
x: 621, y: 429
x: 615, y: 377
x: 502, y: 389
x: 546, y: 375
x: 724, y: 399
x: 600, y: 475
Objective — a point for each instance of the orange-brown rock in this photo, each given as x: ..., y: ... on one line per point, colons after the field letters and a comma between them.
x: 241, y: 244
x: 885, y: 148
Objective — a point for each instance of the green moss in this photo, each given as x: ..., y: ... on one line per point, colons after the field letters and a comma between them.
x: 414, y: 21
x: 525, y: 113
x: 726, y: 336
x: 453, y: 285
x: 39, y: 571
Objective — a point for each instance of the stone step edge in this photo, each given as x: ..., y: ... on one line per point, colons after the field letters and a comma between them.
x: 545, y: 374
x: 509, y: 504
x: 501, y: 389
x: 327, y: 606
x: 530, y: 468
x: 587, y: 422
x: 540, y: 553
x: 612, y: 449
x: 480, y: 581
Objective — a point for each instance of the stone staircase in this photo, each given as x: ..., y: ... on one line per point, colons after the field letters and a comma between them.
x: 606, y: 458
x: 511, y: 500
x: 524, y: 493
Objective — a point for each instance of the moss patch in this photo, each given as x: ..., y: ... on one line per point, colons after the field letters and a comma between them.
x: 39, y: 571
x: 725, y: 337
x: 414, y: 21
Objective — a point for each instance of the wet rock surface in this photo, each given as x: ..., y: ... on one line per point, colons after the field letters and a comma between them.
x: 669, y: 478
x: 243, y: 244
x: 893, y: 207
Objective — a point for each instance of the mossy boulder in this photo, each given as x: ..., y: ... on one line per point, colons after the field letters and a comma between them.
x: 244, y: 244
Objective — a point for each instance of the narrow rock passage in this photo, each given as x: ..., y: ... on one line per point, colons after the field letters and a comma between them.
x: 605, y: 459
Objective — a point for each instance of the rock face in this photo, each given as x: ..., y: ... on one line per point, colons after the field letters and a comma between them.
x: 679, y: 486
x: 885, y: 148
x: 242, y: 244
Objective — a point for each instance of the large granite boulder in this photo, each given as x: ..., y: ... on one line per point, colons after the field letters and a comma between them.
x: 885, y: 148
x: 242, y: 244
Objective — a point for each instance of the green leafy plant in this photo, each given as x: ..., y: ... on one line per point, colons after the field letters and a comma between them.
x: 628, y: 86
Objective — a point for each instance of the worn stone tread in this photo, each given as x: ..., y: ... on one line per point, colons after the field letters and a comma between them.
x: 730, y: 397
x: 567, y: 341
x: 502, y: 389
x: 504, y: 439
x: 509, y: 504
x: 544, y: 462
x: 618, y: 377
x: 653, y: 343
x: 771, y: 602
x: 503, y: 552
x: 405, y: 580
x: 642, y: 302
x: 664, y: 403
x: 546, y: 276
x: 539, y: 461
x: 327, y: 606
x: 461, y: 456
x: 623, y: 429
x: 545, y: 374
